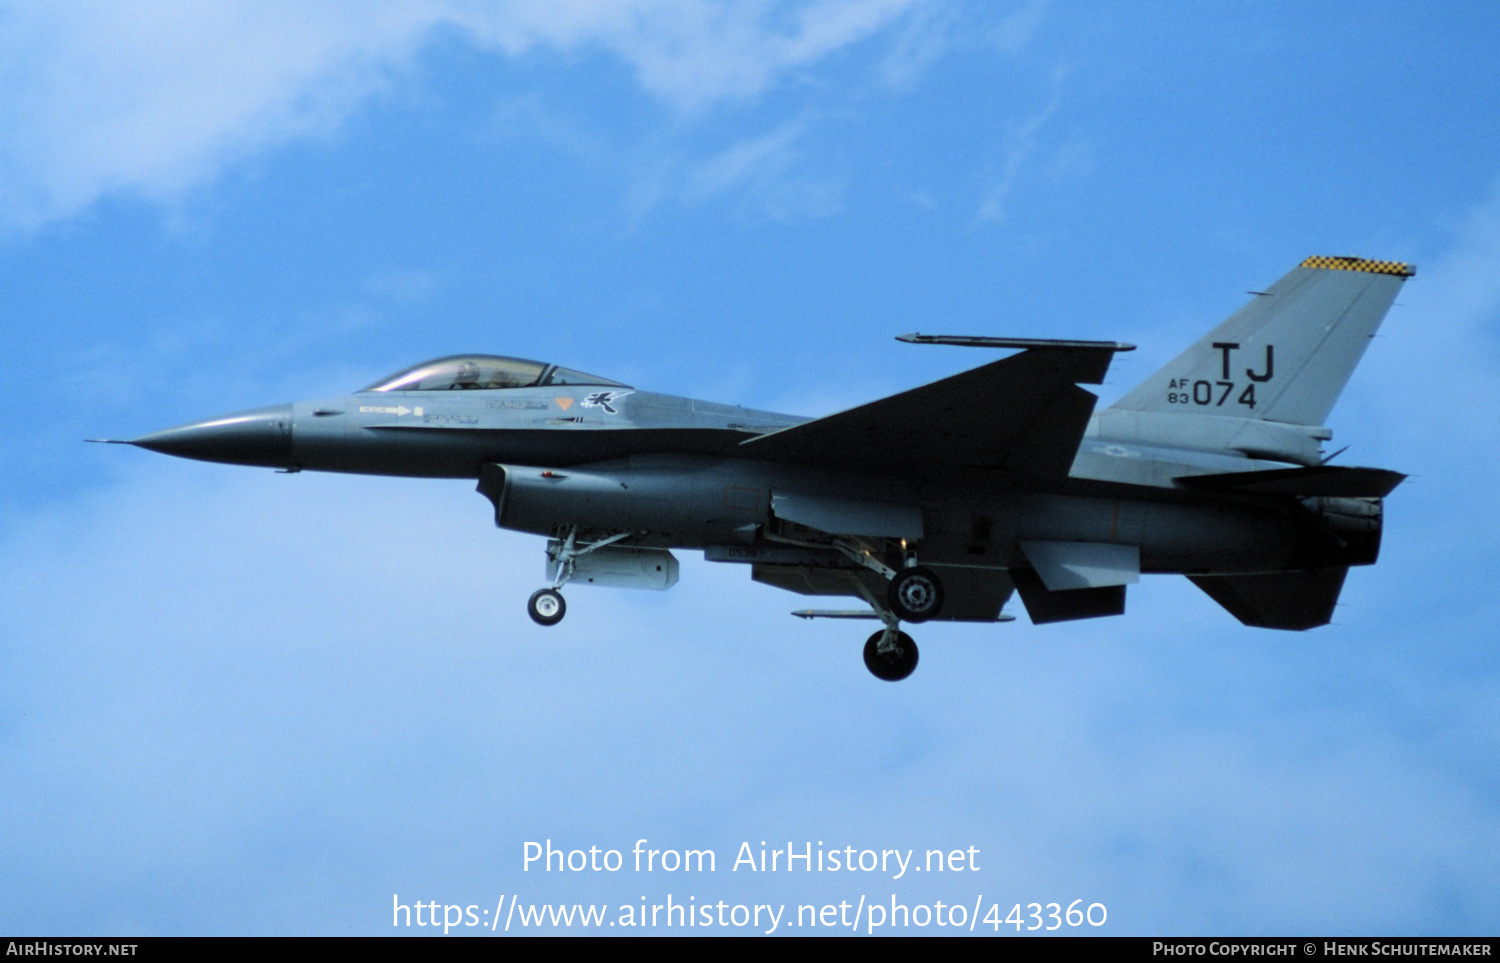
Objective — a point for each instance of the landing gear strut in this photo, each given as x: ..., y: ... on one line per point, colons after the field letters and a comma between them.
x: 546, y: 606
x: 890, y: 654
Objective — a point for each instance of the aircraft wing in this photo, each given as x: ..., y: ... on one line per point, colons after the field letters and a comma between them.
x: 1024, y: 414
x: 1335, y: 481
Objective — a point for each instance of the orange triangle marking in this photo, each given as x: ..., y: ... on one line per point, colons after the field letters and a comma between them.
x: 564, y: 403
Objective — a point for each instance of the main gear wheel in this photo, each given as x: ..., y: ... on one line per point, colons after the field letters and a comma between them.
x: 915, y: 594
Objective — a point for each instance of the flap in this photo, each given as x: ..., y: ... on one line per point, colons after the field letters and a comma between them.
x: 1067, y: 566
x: 1024, y: 413
x: 838, y: 515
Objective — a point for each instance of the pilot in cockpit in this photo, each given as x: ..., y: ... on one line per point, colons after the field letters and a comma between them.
x: 467, y: 376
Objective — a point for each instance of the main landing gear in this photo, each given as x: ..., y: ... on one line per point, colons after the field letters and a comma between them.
x: 914, y: 594
x: 890, y: 654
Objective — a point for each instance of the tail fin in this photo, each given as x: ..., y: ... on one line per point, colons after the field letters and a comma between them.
x: 1286, y: 355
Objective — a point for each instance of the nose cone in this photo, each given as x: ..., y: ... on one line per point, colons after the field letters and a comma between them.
x: 261, y: 436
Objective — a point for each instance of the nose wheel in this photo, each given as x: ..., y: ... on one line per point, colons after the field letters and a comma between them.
x: 546, y: 607
x: 891, y: 655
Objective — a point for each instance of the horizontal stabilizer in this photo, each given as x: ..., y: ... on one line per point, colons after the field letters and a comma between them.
x: 1045, y: 605
x: 1330, y: 481
x: 1280, y: 600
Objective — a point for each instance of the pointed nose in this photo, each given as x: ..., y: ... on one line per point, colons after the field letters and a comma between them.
x: 261, y: 436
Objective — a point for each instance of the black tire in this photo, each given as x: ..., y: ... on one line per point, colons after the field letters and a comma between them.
x: 915, y: 594
x: 895, y: 665
x: 546, y: 607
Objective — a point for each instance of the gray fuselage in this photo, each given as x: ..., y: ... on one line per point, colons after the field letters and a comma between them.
x: 674, y: 472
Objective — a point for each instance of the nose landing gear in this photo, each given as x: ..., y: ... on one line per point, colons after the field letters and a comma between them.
x: 546, y: 607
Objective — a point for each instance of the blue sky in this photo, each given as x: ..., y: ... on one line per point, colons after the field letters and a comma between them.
x: 241, y: 702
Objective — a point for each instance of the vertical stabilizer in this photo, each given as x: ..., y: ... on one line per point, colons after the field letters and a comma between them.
x: 1286, y: 355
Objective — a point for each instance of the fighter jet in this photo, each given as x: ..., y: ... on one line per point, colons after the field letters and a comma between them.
x: 935, y: 504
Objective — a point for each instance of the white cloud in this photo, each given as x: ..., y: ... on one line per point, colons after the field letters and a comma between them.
x: 1020, y: 147
x: 243, y: 701
x: 691, y: 52
x: 932, y: 29
x: 1422, y: 402
x: 154, y: 97
x: 740, y: 162
x: 1016, y: 30
x: 764, y: 172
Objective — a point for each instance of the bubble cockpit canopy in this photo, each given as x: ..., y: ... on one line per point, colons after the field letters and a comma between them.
x: 484, y: 372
